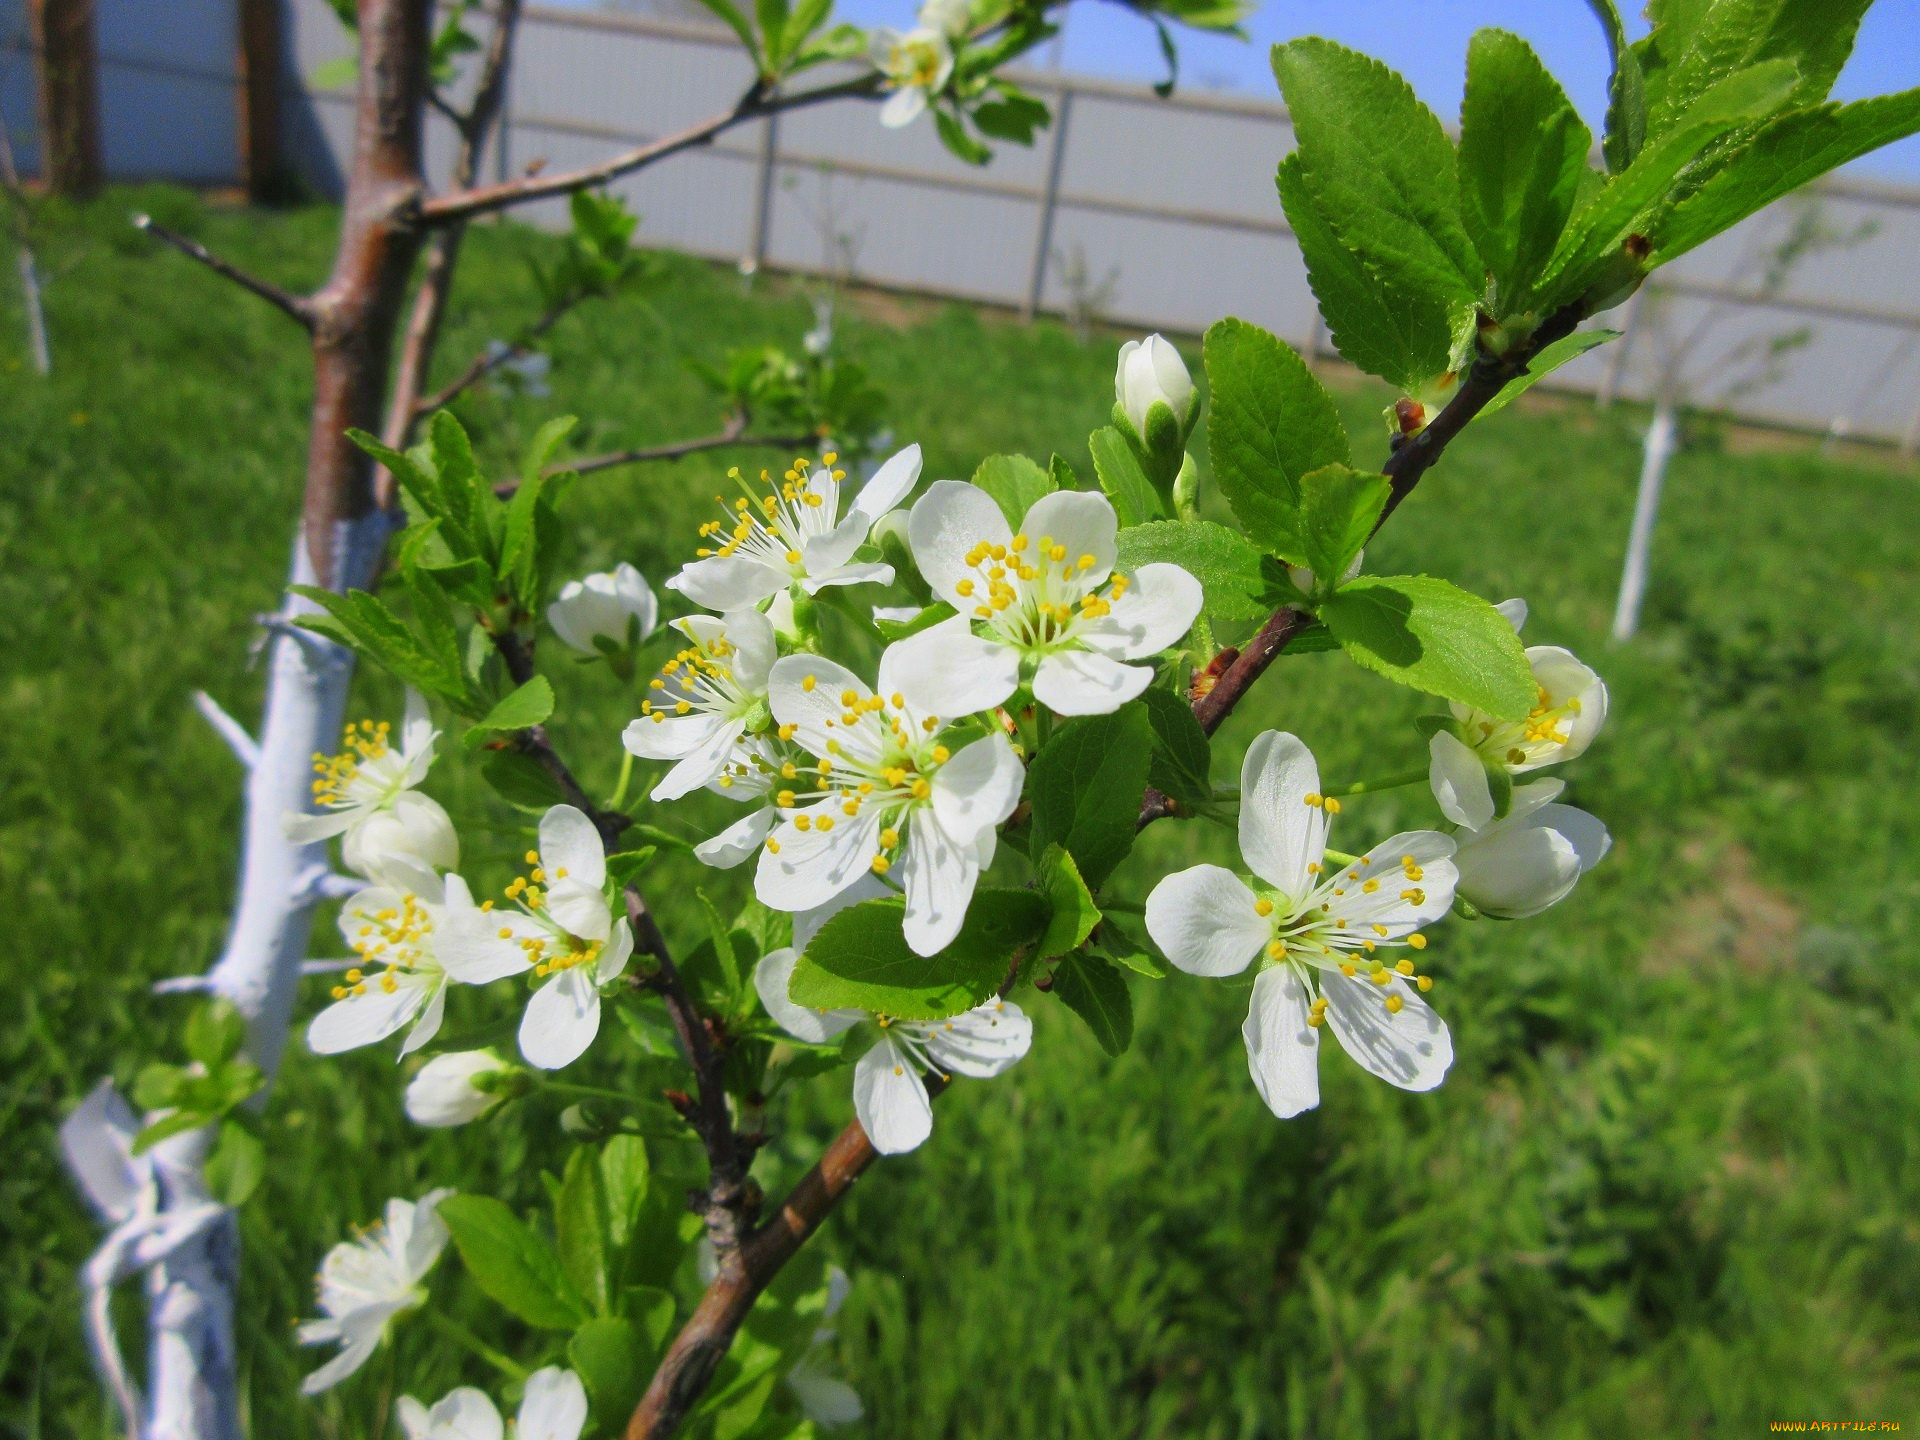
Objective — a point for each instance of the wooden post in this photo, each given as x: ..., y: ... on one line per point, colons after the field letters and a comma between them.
x: 69, y: 95
x: 260, y: 158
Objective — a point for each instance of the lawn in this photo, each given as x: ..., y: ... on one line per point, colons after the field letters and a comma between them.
x: 1670, y: 1187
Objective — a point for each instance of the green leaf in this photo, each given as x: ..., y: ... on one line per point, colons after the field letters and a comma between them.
x: 1227, y: 567
x: 519, y: 543
x: 1014, y: 482
x: 1061, y: 473
x: 1013, y: 116
x: 215, y: 1033
x: 512, y: 1263
x: 892, y: 630
x: 1550, y: 359
x: 772, y: 15
x: 860, y: 958
x: 1403, y: 337
x: 580, y: 1227
x: 527, y: 706
x: 177, y: 1123
x: 1086, y: 785
x: 1271, y: 423
x: 1782, y: 156
x: 335, y: 74
x: 735, y: 972
x: 1338, y: 508
x: 1114, y: 944
x: 1096, y: 991
x: 1182, y: 761
x: 623, y: 867
x: 954, y: 136
x: 614, y: 1362
x: 652, y: 1309
x: 1434, y: 637
x: 237, y: 1165
x: 1694, y: 46
x: 1523, y: 152
x: 1074, y: 913
x: 522, y: 781
x: 1626, y: 91
x: 1379, y: 167
x: 468, y: 501
x: 364, y: 623
x: 1134, y: 499
x: 625, y: 1173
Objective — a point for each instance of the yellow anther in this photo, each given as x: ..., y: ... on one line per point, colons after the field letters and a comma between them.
x: 1332, y: 805
x: 1348, y: 968
x: 506, y: 932
x: 1405, y: 967
x: 825, y: 823
x: 1425, y: 982
x: 941, y: 754
x: 1057, y: 553
x: 533, y: 857
x: 964, y: 587
x: 1276, y: 949
x: 803, y: 822
x: 851, y: 808
x: 784, y: 799
x: 786, y: 732
x: 793, y: 557
x: 889, y: 838
x: 808, y: 683
x: 1263, y: 906
x: 1394, y: 1004
x: 920, y: 789
x: 773, y: 846
x: 1087, y: 562
x: 1418, y: 942
x: 881, y: 864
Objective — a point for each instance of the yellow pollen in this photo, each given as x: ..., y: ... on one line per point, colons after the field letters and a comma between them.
x: 1394, y: 1004
x: 881, y: 864
x: 1405, y: 967
x: 941, y: 754
x: 1425, y: 982
x: 808, y: 684
x: 889, y: 838
x: 1418, y: 942
x: 1276, y: 949
x: 826, y: 823
x: 803, y: 822
x: 773, y: 846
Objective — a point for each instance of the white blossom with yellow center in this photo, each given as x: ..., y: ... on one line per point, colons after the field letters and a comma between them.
x: 365, y: 1282
x: 793, y: 534
x: 1041, y: 607
x: 917, y: 64
x: 553, y: 1406
x: 1570, y: 706
x: 754, y: 774
x: 705, y: 699
x: 1323, y: 933
x: 367, y: 793
x: 562, y: 928
x: 885, y: 795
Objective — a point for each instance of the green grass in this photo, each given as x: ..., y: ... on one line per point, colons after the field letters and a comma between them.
x: 1670, y: 1187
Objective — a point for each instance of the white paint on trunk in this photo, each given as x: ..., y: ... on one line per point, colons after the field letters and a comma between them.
x: 1658, y: 449
x: 36, y: 313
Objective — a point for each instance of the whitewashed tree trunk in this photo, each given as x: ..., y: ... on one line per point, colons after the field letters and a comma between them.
x: 1657, y: 450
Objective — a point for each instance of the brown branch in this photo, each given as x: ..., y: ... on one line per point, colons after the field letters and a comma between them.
x: 731, y: 434
x: 754, y: 105
x: 297, y: 306
x: 490, y: 359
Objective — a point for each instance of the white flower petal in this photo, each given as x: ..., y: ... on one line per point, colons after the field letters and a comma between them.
x: 614, y: 956
x: 1084, y: 522
x: 301, y: 828
x: 463, y: 1414
x: 416, y: 827
x: 352, y: 1356
x: 754, y: 649
x: 1400, y: 905
x: 889, y: 485
x: 1512, y: 871
x: 570, y: 842
x: 1459, y: 781
x: 1411, y: 1049
x: 1514, y: 612
x: 1564, y: 677
x: 416, y: 729
x: 431, y: 1014
x: 809, y: 707
x: 1280, y: 834
x: 1203, y: 920
x: 812, y: 866
x: 978, y: 788
x: 772, y: 977
x: 367, y: 1018
x: 1283, y: 1050
x: 823, y: 554
x: 728, y: 582
x: 468, y: 942
x: 443, y: 1093
x: 1587, y: 833
x: 665, y: 736
x: 738, y: 841
x: 938, y: 874
x: 903, y: 107
x: 554, y: 1407
x: 986, y: 1041
x: 579, y: 909
x: 1079, y: 682
x: 561, y: 1020
x: 891, y: 1100
x: 944, y: 524
x: 701, y: 765
x: 863, y: 574
x: 948, y: 670
x: 1157, y: 610
x: 824, y: 1399
x: 419, y: 1231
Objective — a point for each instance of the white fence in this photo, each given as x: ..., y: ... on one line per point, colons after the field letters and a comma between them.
x: 1162, y: 212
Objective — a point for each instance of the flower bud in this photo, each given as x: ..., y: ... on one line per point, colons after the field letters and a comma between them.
x: 414, y: 829
x: 1303, y: 578
x: 889, y: 533
x: 606, y: 608
x: 1151, y: 373
x: 952, y: 18
x: 1532, y: 859
x: 456, y: 1088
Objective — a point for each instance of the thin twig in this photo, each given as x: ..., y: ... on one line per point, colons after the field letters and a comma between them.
x: 754, y: 105
x: 491, y: 359
x: 298, y: 306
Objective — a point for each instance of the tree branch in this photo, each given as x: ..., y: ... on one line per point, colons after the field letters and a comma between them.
x: 754, y: 105
x: 490, y: 359
x: 297, y: 306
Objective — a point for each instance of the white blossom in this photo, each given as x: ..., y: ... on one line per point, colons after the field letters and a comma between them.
x: 705, y: 699
x: 1151, y: 372
x: 952, y: 18
x: 1319, y: 931
x: 794, y: 534
x: 562, y: 928
x: 916, y: 63
x: 1530, y: 858
x: 365, y: 1282
x: 367, y: 793
x: 889, y: 1095
x: 447, y: 1091
x: 885, y: 791
x: 774, y: 974
x: 605, y: 607
x: 1043, y: 607
x: 553, y: 1407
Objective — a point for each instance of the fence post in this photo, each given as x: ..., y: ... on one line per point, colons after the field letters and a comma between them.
x: 260, y: 161
x: 69, y: 95
x: 763, y: 198
x: 1910, y: 442
x: 1049, y: 200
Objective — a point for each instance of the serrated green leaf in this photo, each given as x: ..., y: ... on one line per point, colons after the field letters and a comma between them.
x: 527, y: 705
x: 1404, y: 338
x: 512, y: 1262
x: 1693, y: 46
x: 1182, y: 756
x: 1115, y: 945
x: 861, y: 960
x: 464, y: 496
x: 1074, y: 913
x: 545, y: 441
x: 237, y: 1165
x: 1061, y: 473
x: 614, y: 1362
x: 623, y: 867
x: 1134, y: 499
x: 519, y: 544
x: 625, y: 1175
x: 1085, y: 786
x: 1271, y: 423
x: 1523, y: 151
x: 1338, y: 508
x: 522, y: 781
x: 1095, y: 990
x: 580, y: 1228
x: 1014, y: 482
x: 1626, y: 91
x: 1380, y: 169
x: 1435, y: 637
x: 1227, y: 567
x: 1550, y: 359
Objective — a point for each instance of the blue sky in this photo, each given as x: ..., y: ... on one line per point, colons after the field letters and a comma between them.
x: 1426, y: 41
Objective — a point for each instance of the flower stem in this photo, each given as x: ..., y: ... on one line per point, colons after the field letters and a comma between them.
x: 1367, y: 787
x: 455, y: 1331
x: 561, y: 1087
x: 619, y: 797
